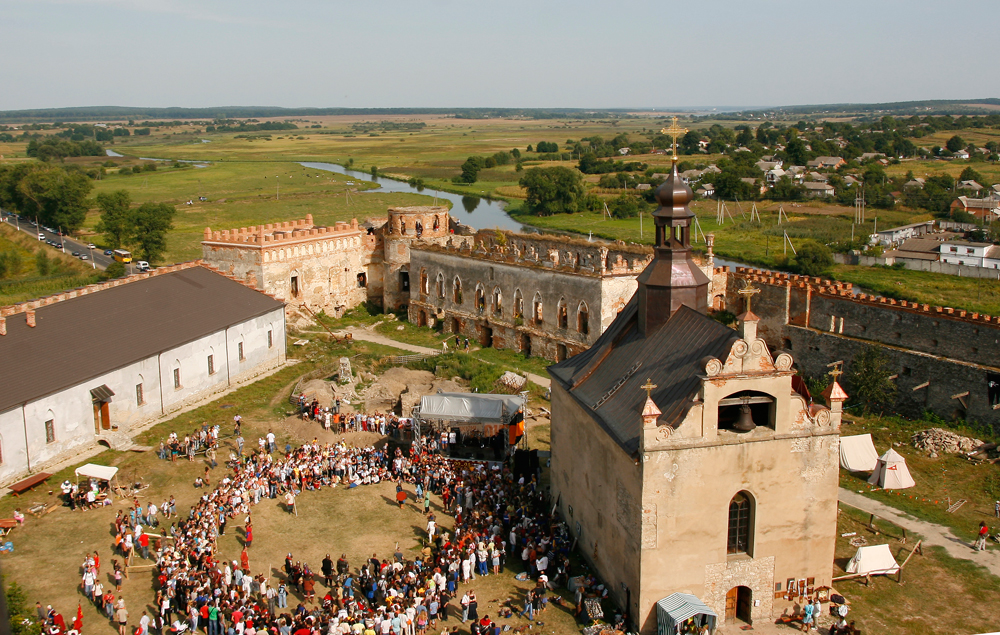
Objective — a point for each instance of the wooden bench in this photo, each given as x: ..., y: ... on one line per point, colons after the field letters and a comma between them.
x: 7, y: 525
x: 29, y: 483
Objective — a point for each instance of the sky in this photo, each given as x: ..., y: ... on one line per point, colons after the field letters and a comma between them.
x: 510, y: 53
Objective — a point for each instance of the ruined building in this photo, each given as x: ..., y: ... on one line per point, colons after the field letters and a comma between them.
x: 685, y: 457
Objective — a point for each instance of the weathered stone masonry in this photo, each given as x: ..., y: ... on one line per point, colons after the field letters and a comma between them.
x: 945, y: 360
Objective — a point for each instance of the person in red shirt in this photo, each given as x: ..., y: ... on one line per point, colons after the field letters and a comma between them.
x: 981, y: 539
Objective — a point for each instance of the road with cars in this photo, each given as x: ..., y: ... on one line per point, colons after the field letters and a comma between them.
x: 97, y: 258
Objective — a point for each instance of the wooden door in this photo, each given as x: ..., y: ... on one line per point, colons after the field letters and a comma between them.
x: 744, y: 604
x: 731, y: 603
x: 97, y: 418
x: 105, y: 416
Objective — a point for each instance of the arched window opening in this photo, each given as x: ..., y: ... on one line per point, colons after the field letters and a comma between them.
x: 746, y: 410
x: 497, y: 301
x: 423, y: 281
x: 583, y: 319
x: 439, y: 285
x: 420, y: 229
x: 456, y: 290
x: 480, y: 298
x: 536, y: 308
x: 741, y: 512
x: 518, y: 304
x: 437, y: 223
x: 562, y: 315
x: 362, y: 280
x: 402, y: 227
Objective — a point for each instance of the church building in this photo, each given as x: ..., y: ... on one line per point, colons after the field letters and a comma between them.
x: 686, y: 457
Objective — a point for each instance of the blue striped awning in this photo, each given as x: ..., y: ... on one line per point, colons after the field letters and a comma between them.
x: 672, y: 610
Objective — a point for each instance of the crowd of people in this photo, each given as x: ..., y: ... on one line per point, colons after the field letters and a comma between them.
x: 497, y: 516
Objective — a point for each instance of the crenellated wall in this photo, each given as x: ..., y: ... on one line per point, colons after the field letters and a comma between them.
x: 944, y: 359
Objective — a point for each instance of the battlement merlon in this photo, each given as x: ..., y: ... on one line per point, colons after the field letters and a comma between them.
x: 845, y: 291
x: 273, y: 234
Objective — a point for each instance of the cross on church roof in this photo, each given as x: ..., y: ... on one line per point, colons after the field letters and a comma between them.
x: 836, y: 372
x: 649, y: 386
x: 748, y: 291
x: 674, y: 131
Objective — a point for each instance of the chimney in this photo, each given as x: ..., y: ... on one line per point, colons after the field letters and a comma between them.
x: 835, y: 398
x: 3, y: 326
x: 30, y: 315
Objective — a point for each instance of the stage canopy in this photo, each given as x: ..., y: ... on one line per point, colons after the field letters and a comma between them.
x: 469, y: 407
x: 102, y: 472
x: 673, y: 610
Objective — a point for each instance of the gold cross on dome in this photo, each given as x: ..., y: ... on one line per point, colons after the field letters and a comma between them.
x: 649, y: 386
x: 674, y: 131
x: 748, y: 291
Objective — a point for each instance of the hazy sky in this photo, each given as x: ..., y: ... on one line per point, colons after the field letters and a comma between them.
x: 509, y: 53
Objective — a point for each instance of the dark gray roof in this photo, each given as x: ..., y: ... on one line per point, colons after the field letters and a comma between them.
x: 670, y: 357
x: 84, y: 337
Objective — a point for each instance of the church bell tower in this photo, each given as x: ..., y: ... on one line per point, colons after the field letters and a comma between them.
x: 673, y: 278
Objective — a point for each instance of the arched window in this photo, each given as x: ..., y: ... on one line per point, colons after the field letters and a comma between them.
x: 741, y: 513
x: 536, y: 308
x: 497, y: 301
x: 735, y: 408
x: 583, y: 319
x: 439, y: 285
x: 480, y: 298
x: 423, y: 281
x: 562, y: 315
x: 518, y: 304
x: 456, y: 290
x: 437, y: 223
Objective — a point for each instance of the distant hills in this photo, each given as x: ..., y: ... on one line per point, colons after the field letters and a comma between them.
x: 102, y: 113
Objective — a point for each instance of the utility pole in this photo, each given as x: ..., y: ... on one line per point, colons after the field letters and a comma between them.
x: 277, y: 191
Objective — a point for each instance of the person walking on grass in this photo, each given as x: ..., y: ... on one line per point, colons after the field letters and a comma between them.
x: 981, y: 538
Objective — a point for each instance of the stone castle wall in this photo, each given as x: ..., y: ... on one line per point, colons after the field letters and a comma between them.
x: 944, y: 359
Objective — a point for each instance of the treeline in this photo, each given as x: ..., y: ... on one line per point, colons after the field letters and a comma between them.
x: 53, y: 148
x: 56, y: 196
x: 142, y: 229
x: 246, y: 126
x: 474, y: 164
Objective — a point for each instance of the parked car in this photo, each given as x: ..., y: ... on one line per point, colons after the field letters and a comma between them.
x: 108, y: 252
x: 142, y: 265
x: 41, y: 236
x: 76, y: 254
x: 91, y: 246
x: 84, y: 257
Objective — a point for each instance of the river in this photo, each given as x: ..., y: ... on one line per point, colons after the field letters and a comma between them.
x: 478, y: 212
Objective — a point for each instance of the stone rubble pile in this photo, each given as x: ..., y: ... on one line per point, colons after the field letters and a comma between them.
x: 937, y: 440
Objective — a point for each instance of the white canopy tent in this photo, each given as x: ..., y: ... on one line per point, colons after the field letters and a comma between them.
x: 100, y: 472
x: 673, y: 610
x: 874, y: 560
x: 468, y: 407
x: 857, y: 453
x: 891, y: 472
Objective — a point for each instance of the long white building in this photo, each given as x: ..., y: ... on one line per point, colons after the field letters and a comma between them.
x: 97, y: 364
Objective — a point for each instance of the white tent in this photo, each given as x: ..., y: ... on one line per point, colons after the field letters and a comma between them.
x: 100, y: 472
x: 875, y: 559
x: 469, y: 407
x: 857, y: 453
x: 891, y: 472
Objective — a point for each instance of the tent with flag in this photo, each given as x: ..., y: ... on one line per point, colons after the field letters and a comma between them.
x: 891, y: 472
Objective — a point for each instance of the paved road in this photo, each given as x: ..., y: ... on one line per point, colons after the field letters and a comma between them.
x: 365, y: 334
x: 933, y: 534
x: 95, y: 257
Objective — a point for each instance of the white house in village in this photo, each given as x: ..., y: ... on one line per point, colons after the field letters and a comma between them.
x: 95, y: 365
x: 960, y: 252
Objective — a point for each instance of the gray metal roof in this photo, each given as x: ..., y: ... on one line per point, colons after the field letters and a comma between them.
x: 85, y: 337
x: 606, y: 379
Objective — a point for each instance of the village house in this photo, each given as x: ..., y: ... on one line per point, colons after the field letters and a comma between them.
x: 130, y: 352
x: 826, y: 162
x: 986, y: 209
x: 971, y: 254
x: 895, y: 235
x: 819, y: 190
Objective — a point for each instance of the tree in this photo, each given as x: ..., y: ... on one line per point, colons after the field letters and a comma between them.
x: 375, y: 170
x: 470, y: 170
x: 20, y: 613
x: 814, y: 259
x: 42, y: 263
x: 114, y: 270
x: 152, y: 222
x: 955, y: 144
x: 117, y: 222
x: 626, y: 206
x: 868, y: 379
x: 555, y: 190
x: 968, y: 174
x: 796, y: 152
x: 57, y: 197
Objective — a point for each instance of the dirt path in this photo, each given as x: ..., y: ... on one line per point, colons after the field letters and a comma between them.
x: 368, y: 336
x: 934, y: 534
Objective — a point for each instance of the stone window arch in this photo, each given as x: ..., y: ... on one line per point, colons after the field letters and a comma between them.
x: 518, y: 304
x: 742, y: 509
x: 437, y: 222
x: 439, y: 285
x: 423, y: 282
x: 480, y: 298
x: 537, y: 312
x: 583, y: 319
x: 562, y: 314
x: 456, y: 290
x: 497, y: 301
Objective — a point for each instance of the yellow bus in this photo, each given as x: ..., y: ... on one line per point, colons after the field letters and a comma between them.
x: 122, y: 255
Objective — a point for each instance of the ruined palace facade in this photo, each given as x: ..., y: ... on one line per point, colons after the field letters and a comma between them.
x: 943, y: 360
x: 328, y: 268
x: 545, y: 296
